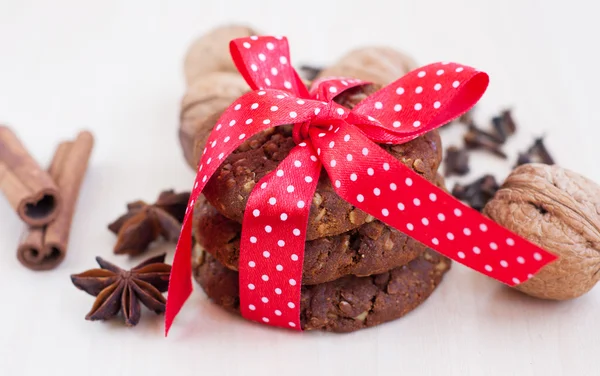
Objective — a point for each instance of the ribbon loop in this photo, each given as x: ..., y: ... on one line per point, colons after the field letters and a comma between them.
x: 327, y: 88
x: 265, y: 64
x: 424, y: 99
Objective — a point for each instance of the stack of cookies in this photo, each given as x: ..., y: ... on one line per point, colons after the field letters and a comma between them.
x: 358, y: 272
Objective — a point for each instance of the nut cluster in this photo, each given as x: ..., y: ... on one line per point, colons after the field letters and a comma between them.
x: 558, y: 210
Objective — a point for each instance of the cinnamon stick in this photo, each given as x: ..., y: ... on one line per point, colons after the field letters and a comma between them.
x: 44, y: 248
x: 29, y: 189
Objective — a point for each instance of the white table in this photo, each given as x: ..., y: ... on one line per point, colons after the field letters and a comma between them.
x: 115, y: 67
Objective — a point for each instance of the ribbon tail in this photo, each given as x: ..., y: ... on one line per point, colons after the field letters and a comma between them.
x: 244, y: 118
x: 180, y: 280
x: 369, y: 178
x: 273, y: 240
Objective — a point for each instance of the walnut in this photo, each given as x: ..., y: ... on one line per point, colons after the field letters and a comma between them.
x: 210, y: 52
x: 380, y: 65
x: 202, y: 105
x: 213, y: 83
x: 558, y: 210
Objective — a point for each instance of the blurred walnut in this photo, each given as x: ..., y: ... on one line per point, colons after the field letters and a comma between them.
x: 213, y: 83
x: 558, y: 210
x: 206, y: 98
x: 210, y: 52
x: 380, y: 65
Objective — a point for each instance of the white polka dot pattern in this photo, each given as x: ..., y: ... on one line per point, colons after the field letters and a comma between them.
x: 450, y: 234
x: 426, y: 99
x: 265, y: 64
x: 327, y: 88
x: 272, y: 244
x: 277, y: 229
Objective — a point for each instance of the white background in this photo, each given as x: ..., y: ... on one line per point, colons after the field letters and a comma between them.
x: 115, y: 67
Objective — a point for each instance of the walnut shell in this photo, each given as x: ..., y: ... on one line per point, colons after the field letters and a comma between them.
x: 210, y: 52
x: 558, y: 210
x: 380, y: 65
x: 208, y: 95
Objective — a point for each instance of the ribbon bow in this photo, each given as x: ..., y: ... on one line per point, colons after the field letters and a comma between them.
x: 344, y: 143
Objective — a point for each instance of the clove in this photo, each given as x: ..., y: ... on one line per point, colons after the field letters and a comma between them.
x: 504, y: 125
x: 540, y: 149
x: 477, y: 193
x: 456, y: 161
x: 310, y: 72
x: 489, y: 135
x: 467, y: 117
x: 476, y: 138
x: 523, y: 158
x: 537, y: 153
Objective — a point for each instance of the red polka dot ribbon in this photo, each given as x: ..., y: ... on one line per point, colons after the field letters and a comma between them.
x: 344, y: 143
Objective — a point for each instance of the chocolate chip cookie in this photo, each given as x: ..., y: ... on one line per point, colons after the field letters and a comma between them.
x: 229, y: 188
x: 346, y: 304
x: 369, y: 249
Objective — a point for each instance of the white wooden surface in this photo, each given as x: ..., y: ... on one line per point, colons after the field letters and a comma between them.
x: 114, y: 67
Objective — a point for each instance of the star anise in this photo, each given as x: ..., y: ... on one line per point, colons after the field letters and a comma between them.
x: 144, y: 223
x: 119, y: 290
